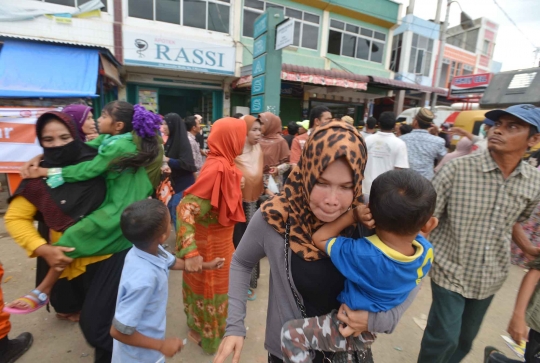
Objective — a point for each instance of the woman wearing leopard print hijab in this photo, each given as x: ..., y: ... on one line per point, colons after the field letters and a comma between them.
x: 303, y: 281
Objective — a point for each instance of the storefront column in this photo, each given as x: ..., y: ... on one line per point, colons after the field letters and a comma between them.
x: 399, y: 99
x: 424, y: 101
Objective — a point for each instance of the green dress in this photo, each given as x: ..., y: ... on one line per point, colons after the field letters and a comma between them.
x: 99, y: 233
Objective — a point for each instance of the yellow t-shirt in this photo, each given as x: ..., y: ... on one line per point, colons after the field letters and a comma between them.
x: 19, y: 220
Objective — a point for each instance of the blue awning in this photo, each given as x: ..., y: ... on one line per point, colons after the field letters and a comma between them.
x: 33, y: 69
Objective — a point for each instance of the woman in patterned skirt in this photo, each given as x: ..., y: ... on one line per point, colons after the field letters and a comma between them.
x: 205, y: 222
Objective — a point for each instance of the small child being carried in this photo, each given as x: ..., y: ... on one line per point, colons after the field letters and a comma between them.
x: 380, y: 270
x: 138, y: 327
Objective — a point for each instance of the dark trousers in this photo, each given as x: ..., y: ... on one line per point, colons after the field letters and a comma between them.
x: 532, y: 351
x: 93, y: 294
x: 453, y: 323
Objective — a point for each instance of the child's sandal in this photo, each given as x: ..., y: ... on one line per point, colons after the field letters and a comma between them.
x: 35, y: 302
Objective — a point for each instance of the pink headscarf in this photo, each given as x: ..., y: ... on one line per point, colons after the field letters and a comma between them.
x: 79, y: 113
x: 463, y: 148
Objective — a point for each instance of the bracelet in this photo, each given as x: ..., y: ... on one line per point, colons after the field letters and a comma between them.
x: 54, y: 178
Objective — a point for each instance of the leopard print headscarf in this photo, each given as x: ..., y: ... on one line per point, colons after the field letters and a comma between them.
x: 328, y: 143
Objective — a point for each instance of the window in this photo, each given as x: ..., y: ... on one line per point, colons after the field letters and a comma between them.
x: 356, y: 42
x: 421, y: 53
x: 396, y: 53
x: 203, y: 14
x: 485, y: 48
x: 74, y: 3
x: 306, y: 25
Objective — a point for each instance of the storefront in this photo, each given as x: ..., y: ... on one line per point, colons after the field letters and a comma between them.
x: 166, y: 74
x: 39, y: 76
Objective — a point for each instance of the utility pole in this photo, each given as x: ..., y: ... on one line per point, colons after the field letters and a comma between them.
x: 442, y: 43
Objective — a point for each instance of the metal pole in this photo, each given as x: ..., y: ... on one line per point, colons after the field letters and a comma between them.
x: 438, y: 13
x: 438, y: 69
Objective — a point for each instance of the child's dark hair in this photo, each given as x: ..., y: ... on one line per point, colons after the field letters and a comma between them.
x: 148, y: 150
x: 144, y: 221
x: 402, y: 201
x: 405, y: 129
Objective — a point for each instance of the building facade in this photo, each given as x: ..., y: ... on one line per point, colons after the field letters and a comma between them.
x: 193, y: 57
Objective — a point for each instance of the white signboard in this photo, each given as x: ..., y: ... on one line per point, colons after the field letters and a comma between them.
x: 18, y: 141
x: 154, y: 50
x: 285, y: 34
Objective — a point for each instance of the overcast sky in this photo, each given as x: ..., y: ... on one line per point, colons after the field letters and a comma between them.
x: 512, y: 48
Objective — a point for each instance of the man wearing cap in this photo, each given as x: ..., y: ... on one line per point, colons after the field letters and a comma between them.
x: 481, y: 200
x: 422, y: 147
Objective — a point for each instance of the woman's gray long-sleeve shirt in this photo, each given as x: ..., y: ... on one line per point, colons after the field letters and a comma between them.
x: 262, y: 240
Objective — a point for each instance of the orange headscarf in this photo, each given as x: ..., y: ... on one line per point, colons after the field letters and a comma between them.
x: 219, y: 179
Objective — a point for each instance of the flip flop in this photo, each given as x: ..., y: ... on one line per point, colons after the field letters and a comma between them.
x: 194, y: 339
x: 73, y: 317
x: 251, y: 295
x: 36, y: 302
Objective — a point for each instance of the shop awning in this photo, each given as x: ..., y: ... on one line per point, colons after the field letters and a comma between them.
x: 325, y: 77
x: 400, y: 85
x: 32, y: 69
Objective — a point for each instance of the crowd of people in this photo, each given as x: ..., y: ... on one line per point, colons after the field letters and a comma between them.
x: 332, y: 208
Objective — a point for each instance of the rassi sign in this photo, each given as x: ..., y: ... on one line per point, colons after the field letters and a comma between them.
x: 469, y: 87
x: 144, y: 49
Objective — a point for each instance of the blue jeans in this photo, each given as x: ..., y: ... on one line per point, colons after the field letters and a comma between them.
x: 173, y: 203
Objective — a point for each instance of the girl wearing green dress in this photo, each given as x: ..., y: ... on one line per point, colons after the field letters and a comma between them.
x: 129, y: 158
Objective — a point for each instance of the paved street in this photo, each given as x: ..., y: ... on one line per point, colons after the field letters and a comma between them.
x: 60, y: 341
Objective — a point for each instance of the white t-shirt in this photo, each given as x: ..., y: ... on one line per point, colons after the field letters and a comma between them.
x: 385, y: 152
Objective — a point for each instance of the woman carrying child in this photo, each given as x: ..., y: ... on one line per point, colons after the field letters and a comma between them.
x: 205, y: 222
x: 127, y: 146
x: 303, y: 280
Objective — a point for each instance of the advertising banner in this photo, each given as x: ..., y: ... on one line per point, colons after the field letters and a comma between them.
x: 471, y: 86
x: 18, y: 141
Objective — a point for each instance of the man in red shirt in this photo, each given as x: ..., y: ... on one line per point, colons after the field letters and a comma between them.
x: 318, y: 116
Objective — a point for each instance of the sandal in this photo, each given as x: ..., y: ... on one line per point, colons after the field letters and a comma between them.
x: 251, y: 295
x: 35, y: 301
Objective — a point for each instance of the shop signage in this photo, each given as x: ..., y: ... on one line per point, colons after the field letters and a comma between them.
x: 257, y: 104
x: 266, y: 67
x: 260, y: 25
x: 259, y: 65
x: 285, y: 34
x: 259, y: 46
x: 18, y: 141
x: 151, y: 50
x: 257, y: 86
x: 471, y: 86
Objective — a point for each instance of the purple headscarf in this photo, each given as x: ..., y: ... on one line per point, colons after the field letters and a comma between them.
x: 79, y: 113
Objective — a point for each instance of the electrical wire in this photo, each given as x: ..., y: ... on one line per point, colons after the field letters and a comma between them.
x: 514, y: 23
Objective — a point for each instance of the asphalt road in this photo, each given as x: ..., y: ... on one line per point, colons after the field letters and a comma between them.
x: 60, y: 341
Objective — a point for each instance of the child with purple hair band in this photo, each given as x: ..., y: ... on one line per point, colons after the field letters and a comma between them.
x: 129, y: 159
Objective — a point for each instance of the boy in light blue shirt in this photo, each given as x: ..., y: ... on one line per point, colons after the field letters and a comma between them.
x: 380, y: 270
x: 138, y: 327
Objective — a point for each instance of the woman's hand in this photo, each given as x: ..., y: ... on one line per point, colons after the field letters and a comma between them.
x: 55, y: 256
x: 518, y: 329
x: 356, y: 321
x: 242, y: 183
x: 29, y: 165
x: 33, y: 173
x: 228, y: 345
x: 194, y: 264
x: 363, y: 215
x: 165, y: 159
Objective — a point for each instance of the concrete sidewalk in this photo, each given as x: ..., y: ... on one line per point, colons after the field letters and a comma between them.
x: 60, y: 341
